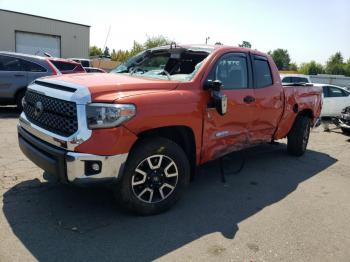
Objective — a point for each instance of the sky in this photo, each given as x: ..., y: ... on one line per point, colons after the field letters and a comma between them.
x: 309, y: 29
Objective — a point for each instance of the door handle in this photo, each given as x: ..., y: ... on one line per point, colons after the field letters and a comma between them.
x: 249, y: 99
x: 18, y: 75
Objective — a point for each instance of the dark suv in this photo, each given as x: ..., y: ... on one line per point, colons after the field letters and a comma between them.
x: 17, y: 71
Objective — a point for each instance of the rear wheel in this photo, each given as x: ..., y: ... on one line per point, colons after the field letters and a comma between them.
x: 298, y: 136
x: 155, y: 176
x: 345, y: 131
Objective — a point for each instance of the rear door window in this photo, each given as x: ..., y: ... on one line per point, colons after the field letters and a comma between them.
x: 8, y: 63
x: 63, y: 66
x: 32, y: 67
x: 67, y: 67
x: 263, y: 76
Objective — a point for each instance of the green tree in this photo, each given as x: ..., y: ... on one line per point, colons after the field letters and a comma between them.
x: 347, y: 68
x: 95, y: 51
x: 281, y: 58
x: 156, y: 41
x: 311, y: 68
x: 137, y: 48
x: 113, y: 55
x: 106, y: 52
x: 245, y: 44
x: 335, y: 65
x: 293, y: 67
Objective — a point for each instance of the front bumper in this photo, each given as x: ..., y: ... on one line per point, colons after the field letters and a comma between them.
x: 70, y: 167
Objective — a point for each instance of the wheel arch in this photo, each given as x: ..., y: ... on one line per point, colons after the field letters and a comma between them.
x: 181, y: 135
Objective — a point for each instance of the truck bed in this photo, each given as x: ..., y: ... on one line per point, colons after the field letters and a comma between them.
x: 298, y: 98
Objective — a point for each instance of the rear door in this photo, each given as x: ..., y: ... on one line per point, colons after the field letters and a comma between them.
x: 230, y: 132
x: 12, y: 76
x: 269, y: 100
x: 34, y: 70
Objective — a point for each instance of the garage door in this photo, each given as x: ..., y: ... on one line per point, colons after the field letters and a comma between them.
x: 37, y: 44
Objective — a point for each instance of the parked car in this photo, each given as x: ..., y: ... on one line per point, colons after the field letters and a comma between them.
x: 94, y: 70
x: 66, y: 66
x: 152, y: 120
x: 18, y: 70
x: 344, y: 120
x: 295, y: 78
x: 83, y: 61
x: 335, y: 99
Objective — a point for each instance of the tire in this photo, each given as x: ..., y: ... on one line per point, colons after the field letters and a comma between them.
x: 298, y: 136
x: 145, y: 187
x: 19, y: 98
x: 345, y: 131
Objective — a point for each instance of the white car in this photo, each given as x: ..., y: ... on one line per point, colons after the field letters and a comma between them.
x: 335, y: 99
x: 294, y: 78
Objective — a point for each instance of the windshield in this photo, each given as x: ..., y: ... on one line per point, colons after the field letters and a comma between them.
x: 165, y: 63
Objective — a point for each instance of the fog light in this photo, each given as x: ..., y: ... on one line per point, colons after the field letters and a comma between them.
x: 93, y: 167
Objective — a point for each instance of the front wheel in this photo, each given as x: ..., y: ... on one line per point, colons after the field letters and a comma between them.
x: 156, y: 174
x: 19, y: 100
x: 298, y: 136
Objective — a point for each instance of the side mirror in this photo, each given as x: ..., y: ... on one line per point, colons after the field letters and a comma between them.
x: 220, y: 102
x: 219, y: 98
x: 215, y: 85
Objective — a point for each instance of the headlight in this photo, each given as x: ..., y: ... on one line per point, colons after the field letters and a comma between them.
x: 108, y: 115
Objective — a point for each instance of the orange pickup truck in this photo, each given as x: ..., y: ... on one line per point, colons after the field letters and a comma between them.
x: 147, y: 125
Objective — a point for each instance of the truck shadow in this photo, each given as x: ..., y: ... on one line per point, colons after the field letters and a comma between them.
x: 9, y: 112
x: 62, y: 223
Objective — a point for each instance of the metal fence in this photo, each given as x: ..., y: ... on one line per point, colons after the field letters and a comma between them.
x: 338, y: 80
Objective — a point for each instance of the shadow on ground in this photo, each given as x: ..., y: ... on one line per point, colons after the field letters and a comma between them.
x: 62, y: 223
x: 9, y: 112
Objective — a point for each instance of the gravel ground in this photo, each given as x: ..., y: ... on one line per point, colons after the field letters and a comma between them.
x: 278, y: 208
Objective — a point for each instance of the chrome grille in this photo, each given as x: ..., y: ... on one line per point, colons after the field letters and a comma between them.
x: 55, y: 115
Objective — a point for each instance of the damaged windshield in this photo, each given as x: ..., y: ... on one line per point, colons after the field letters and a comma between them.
x: 165, y: 63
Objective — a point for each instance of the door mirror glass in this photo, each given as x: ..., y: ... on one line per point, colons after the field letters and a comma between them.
x: 220, y: 101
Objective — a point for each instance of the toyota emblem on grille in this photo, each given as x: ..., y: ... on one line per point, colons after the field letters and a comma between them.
x: 38, y: 109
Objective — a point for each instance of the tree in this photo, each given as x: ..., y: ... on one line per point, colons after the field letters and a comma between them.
x: 137, y: 48
x: 347, y: 68
x: 245, y: 44
x: 335, y: 65
x: 293, y: 67
x: 106, y: 52
x: 311, y: 68
x: 281, y: 58
x: 95, y: 51
x: 156, y: 41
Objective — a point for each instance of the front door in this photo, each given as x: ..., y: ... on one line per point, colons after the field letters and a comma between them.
x: 230, y: 132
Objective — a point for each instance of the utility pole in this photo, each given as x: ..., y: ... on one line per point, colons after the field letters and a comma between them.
x: 206, y: 39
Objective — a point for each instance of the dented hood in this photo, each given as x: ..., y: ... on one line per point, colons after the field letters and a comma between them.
x: 110, y: 87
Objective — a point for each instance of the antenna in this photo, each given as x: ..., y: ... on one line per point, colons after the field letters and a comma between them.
x: 109, y: 29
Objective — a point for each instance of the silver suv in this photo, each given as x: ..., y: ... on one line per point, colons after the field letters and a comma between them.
x: 17, y: 71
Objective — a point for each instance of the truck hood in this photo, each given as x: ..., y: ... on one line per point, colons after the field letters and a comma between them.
x: 110, y: 87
